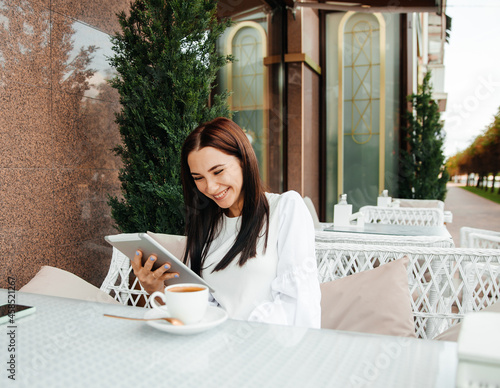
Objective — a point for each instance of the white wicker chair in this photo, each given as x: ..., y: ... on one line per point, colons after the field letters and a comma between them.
x: 121, y: 282
x: 318, y: 225
x: 482, y: 238
x: 420, y: 203
x: 446, y: 283
x: 424, y: 203
x: 479, y: 240
x: 403, y: 216
x: 117, y: 282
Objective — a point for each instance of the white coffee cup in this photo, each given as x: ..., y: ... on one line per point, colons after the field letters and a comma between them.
x: 186, y: 301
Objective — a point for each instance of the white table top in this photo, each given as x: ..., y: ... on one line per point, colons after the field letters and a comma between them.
x: 395, y: 230
x: 68, y: 343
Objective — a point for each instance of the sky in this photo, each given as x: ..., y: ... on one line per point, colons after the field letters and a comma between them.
x: 472, y: 71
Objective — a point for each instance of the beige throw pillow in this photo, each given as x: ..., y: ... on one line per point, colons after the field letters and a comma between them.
x: 453, y: 332
x: 175, y: 244
x: 375, y: 301
x: 58, y: 282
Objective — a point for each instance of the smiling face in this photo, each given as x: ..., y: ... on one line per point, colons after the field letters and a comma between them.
x: 219, y: 176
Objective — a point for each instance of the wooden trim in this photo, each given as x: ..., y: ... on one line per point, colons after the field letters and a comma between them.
x: 377, y: 6
x: 302, y: 57
x: 271, y: 60
x: 294, y: 57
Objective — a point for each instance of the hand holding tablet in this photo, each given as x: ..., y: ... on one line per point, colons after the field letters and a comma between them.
x: 129, y: 243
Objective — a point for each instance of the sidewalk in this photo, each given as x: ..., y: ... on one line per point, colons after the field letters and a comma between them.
x: 470, y: 210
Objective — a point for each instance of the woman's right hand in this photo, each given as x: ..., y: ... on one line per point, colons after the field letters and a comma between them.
x: 151, y: 280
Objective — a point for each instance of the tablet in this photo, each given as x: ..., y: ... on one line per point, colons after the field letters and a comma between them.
x: 129, y: 243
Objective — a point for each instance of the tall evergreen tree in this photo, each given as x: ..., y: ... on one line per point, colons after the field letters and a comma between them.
x: 423, y: 174
x: 167, y: 63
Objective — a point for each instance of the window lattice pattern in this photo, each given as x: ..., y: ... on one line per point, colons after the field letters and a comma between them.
x: 248, y: 70
x: 248, y: 88
x: 362, y: 67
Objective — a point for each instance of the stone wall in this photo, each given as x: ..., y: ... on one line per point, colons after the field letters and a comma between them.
x: 57, y: 130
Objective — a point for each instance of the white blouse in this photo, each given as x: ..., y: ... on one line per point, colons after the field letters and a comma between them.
x: 279, y: 285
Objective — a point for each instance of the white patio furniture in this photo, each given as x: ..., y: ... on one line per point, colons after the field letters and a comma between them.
x: 382, y: 239
x: 483, y: 279
x: 447, y: 217
x: 312, y: 210
x: 419, y: 203
x: 318, y: 225
x: 69, y: 343
x: 403, y: 216
x: 481, y: 238
x: 446, y: 283
x: 121, y: 283
x: 424, y: 203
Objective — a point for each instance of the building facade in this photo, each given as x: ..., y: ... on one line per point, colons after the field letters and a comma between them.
x: 318, y: 86
x: 337, y: 75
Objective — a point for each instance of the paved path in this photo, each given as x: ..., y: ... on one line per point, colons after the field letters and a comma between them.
x: 470, y: 210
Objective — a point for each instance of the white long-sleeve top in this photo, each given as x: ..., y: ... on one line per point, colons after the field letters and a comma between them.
x: 279, y: 285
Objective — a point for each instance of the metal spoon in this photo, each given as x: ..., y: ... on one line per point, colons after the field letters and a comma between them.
x: 173, y: 321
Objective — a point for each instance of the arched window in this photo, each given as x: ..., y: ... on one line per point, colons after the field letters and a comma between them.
x: 246, y: 79
x: 361, y: 102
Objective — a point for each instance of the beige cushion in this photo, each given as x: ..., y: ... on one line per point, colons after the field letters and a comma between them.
x: 453, y: 332
x: 175, y: 244
x: 375, y: 301
x: 58, y: 282
x: 421, y: 203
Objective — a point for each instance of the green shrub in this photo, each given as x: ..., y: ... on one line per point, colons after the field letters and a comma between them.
x: 166, y: 60
x: 423, y: 174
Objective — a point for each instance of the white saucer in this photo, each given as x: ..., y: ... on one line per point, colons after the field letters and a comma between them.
x: 213, y: 317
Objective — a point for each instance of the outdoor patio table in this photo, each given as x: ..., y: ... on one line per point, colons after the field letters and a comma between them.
x: 394, y: 230
x: 68, y: 343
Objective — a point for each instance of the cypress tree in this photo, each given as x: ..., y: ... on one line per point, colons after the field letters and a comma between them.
x: 423, y: 173
x: 166, y: 60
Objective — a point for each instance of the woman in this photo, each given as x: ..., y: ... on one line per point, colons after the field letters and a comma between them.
x: 256, y: 249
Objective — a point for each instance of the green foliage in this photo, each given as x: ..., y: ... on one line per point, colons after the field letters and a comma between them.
x: 167, y: 63
x: 422, y: 171
x: 482, y: 157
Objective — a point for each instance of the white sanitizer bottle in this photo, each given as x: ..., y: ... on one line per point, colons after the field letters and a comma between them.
x: 342, y: 212
x: 383, y: 199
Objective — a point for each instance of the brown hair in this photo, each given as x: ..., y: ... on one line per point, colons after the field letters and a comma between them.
x: 203, y: 215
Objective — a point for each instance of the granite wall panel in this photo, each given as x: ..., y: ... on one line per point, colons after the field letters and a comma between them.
x: 26, y: 221
x: 96, y: 13
x: 27, y: 201
x: 57, y: 130
x: 24, y: 43
x: 25, y: 136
